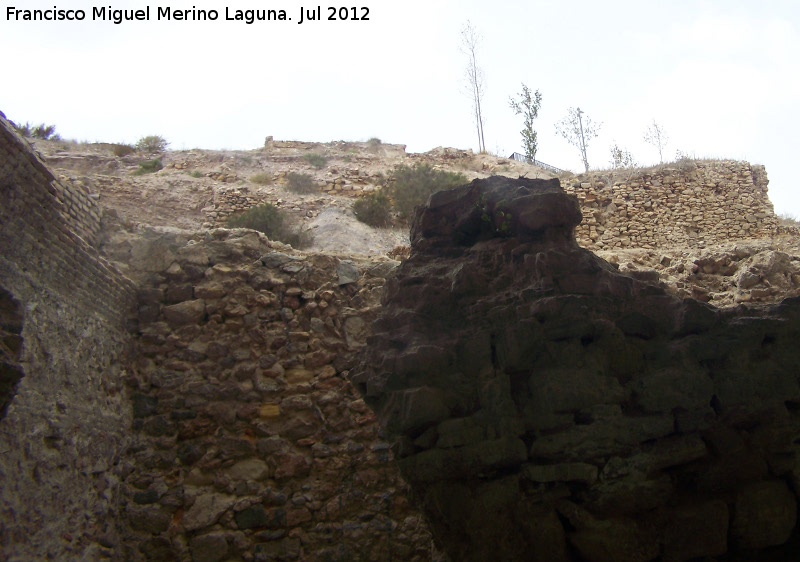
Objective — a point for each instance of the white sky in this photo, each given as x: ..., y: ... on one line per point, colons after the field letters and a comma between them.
x: 721, y: 76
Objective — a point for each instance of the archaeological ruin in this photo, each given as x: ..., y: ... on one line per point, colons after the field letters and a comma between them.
x: 502, y: 394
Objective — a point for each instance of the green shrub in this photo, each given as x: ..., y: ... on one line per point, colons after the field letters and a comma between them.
x: 45, y: 132
x: 374, y: 142
x: 122, y: 149
x: 196, y: 174
x: 265, y: 218
x: 152, y: 144
x: 413, y: 186
x: 379, y: 179
x: 373, y: 209
x: 272, y: 221
x: 149, y: 167
x: 318, y: 161
x: 300, y: 183
x: 42, y: 131
x: 23, y: 130
x: 261, y: 178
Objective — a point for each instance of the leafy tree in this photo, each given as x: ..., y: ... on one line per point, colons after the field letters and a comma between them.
x: 528, y: 106
x: 152, y: 144
x: 621, y: 158
x: 578, y: 130
x: 470, y: 40
x: 656, y: 136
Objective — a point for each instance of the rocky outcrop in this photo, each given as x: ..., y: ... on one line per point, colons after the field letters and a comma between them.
x: 544, y: 406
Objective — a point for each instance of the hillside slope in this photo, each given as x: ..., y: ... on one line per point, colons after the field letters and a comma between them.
x: 198, y: 189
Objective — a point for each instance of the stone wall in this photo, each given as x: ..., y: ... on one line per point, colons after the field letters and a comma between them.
x: 62, y: 341
x: 249, y: 441
x: 690, y: 203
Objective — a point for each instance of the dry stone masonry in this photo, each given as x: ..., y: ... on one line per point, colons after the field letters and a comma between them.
x: 249, y: 441
x: 690, y: 203
x: 544, y: 406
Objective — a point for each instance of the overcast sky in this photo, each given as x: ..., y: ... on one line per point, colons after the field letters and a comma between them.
x: 721, y: 76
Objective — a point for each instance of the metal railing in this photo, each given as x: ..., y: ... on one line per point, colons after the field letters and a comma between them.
x: 522, y: 158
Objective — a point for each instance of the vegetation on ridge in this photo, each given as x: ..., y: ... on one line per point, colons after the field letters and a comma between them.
x: 273, y: 222
x: 412, y: 186
x: 373, y: 209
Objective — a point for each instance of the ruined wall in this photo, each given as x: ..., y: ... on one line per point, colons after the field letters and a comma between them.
x: 690, y: 203
x: 249, y: 441
x: 63, y: 337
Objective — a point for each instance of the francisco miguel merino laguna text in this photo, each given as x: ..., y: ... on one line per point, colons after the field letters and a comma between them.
x: 170, y: 14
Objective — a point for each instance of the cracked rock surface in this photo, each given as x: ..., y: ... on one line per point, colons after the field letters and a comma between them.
x: 545, y: 406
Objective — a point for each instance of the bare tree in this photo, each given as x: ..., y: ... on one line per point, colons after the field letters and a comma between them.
x: 656, y: 136
x: 470, y: 40
x: 621, y: 158
x: 578, y: 130
x: 528, y: 106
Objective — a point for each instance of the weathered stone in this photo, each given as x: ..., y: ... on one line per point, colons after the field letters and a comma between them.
x: 617, y: 540
x: 347, y: 272
x: 417, y: 409
x: 299, y: 376
x: 206, y: 510
x: 158, y: 549
x: 212, y: 547
x: 275, y: 259
x: 158, y: 426
x: 291, y: 466
x: 293, y: 267
x: 149, y: 519
x: 568, y: 472
x: 147, y: 497
x: 250, y: 469
x: 178, y: 293
x: 210, y: 290
x: 288, y: 549
x: 764, y: 515
x: 234, y: 448
x: 696, y: 531
x: 356, y: 331
x: 187, y: 312
x: 252, y: 517
x: 144, y: 405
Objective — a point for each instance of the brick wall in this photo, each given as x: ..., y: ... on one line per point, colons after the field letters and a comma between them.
x: 67, y: 417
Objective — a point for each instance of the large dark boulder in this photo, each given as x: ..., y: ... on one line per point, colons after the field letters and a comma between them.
x: 544, y: 406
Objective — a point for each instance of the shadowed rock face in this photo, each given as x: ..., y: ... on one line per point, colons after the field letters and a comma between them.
x: 545, y: 407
